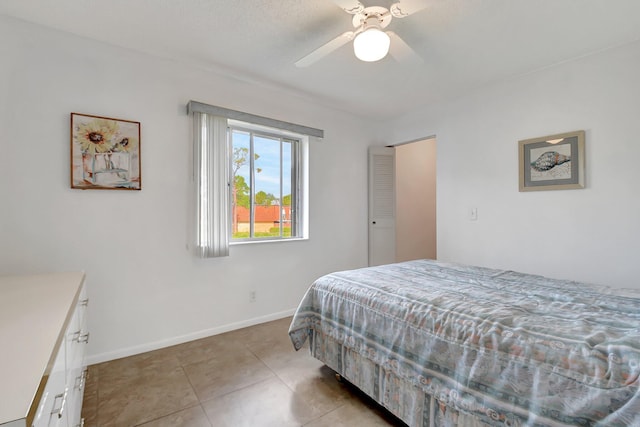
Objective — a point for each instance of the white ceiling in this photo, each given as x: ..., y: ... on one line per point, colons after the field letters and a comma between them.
x: 464, y: 43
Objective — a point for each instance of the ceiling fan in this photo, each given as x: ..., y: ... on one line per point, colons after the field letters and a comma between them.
x: 370, y: 42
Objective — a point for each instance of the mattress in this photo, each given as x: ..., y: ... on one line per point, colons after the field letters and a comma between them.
x: 506, y: 348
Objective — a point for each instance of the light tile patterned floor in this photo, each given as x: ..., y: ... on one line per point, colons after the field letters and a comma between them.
x: 250, y: 377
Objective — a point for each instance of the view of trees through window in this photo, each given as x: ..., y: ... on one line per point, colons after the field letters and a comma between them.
x: 263, y: 176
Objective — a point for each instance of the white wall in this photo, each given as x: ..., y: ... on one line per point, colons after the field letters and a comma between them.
x: 589, y: 234
x: 146, y: 290
x: 416, y: 200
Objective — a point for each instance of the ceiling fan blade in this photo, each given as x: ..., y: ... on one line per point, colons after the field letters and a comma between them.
x: 401, y: 51
x: 350, y: 6
x: 326, y: 49
x: 407, y: 7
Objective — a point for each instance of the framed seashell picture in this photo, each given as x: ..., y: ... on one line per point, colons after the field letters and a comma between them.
x: 553, y: 162
x: 105, y: 153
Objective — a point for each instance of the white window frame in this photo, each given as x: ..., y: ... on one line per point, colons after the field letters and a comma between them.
x: 211, y: 174
x: 301, y: 159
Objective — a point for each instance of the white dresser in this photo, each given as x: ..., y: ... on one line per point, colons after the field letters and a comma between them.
x: 43, y: 335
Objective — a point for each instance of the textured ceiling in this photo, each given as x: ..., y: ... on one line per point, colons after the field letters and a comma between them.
x: 464, y: 43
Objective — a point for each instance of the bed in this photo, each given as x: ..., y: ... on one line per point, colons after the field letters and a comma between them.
x: 443, y: 344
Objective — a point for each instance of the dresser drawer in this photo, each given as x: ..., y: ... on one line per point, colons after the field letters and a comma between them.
x: 52, y: 410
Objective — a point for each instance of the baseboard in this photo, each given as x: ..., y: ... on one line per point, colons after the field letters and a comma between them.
x: 143, y: 348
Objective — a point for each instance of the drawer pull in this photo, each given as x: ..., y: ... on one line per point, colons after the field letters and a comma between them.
x: 84, y: 302
x: 79, y: 337
x: 84, y: 338
x: 60, y: 410
x: 81, y: 379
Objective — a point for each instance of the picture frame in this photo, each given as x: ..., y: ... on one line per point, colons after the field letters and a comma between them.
x: 105, y: 153
x: 552, y: 162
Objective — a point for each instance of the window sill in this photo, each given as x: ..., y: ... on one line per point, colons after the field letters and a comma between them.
x: 249, y: 242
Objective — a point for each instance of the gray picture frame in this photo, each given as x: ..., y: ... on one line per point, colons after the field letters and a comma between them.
x: 552, y: 162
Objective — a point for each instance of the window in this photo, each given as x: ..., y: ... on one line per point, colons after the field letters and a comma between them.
x: 267, y: 183
x: 250, y: 178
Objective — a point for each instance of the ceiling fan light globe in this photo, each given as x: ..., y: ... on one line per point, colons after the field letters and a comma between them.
x: 371, y: 45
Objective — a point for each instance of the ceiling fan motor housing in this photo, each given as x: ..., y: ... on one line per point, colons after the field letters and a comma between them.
x: 370, y: 15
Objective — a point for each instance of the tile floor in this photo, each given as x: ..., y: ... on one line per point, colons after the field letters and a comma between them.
x: 249, y: 377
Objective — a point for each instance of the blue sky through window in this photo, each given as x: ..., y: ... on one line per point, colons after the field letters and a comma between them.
x: 268, y: 150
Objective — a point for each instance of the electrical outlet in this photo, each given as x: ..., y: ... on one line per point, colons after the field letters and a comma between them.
x: 252, y: 296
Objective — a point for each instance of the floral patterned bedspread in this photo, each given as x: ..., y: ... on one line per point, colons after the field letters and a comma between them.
x: 509, y: 348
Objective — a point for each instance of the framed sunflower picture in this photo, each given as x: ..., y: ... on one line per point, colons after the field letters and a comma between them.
x: 105, y: 153
x: 554, y: 162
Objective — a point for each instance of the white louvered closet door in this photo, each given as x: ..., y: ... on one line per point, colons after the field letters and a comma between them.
x: 382, y: 206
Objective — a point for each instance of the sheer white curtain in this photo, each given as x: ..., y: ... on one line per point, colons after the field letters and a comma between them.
x: 211, y: 178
